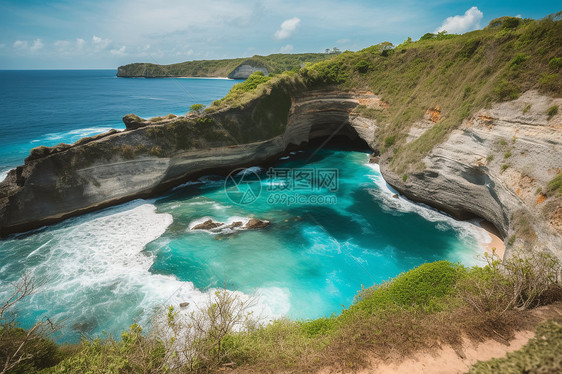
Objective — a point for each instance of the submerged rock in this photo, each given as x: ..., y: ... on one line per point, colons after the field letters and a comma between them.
x: 255, y: 223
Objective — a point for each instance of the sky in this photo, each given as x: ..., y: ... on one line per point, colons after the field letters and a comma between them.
x: 89, y: 34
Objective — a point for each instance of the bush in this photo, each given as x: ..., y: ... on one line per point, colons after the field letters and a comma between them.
x: 363, y: 66
x: 506, y: 90
x: 511, y: 22
x: 519, y: 282
x: 25, y: 351
x: 423, y: 287
x: 555, y: 63
x: 196, y: 108
x: 518, y: 60
x: 389, y: 141
x: 555, y: 184
x: 552, y: 111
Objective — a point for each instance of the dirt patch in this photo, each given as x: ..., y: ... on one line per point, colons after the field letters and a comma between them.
x: 449, y: 359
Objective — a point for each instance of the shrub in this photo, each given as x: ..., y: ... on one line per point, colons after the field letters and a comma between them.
x: 196, y: 108
x: 555, y: 184
x: 511, y: 22
x: 552, y: 111
x: 504, y: 167
x: 155, y: 151
x: 518, y: 60
x: 127, y: 151
x: 517, y: 282
x: 423, y: 287
x: 389, y: 141
x: 404, y: 178
x: 555, y: 63
x: 507, y: 154
x: 156, y: 119
x: 363, y: 66
x: 506, y: 90
x: 24, y: 351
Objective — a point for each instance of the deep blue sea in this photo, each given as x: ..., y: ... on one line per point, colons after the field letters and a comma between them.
x: 48, y: 107
x: 105, y: 270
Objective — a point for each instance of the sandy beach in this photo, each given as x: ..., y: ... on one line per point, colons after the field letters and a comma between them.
x: 497, y: 243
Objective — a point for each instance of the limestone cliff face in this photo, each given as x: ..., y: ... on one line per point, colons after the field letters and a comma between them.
x: 67, y: 180
x: 496, y: 165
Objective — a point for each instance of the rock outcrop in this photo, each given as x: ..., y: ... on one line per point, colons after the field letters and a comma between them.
x: 59, y: 182
x: 496, y: 165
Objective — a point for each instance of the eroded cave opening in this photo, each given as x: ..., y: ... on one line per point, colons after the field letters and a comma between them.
x: 335, y: 136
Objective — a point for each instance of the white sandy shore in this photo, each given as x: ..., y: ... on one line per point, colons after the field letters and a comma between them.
x: 496, y: 243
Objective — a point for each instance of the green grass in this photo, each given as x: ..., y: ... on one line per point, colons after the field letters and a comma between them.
x: 552, y: 111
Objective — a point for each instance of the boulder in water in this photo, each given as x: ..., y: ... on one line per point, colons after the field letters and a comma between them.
x: 255, y: 223
x: 207, y: 225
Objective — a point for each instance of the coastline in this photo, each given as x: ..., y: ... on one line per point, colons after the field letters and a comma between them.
x: 227, y: 78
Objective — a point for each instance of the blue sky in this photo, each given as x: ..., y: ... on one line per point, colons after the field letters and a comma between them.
x: 104, y: 34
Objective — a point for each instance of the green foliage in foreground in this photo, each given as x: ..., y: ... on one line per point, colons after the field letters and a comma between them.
x: 542, y: 354
x: 432, y: 304
x: 423, y: 287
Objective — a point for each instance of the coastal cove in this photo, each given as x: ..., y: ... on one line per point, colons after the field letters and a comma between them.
x: 108, y: 269
x: 138, y: 257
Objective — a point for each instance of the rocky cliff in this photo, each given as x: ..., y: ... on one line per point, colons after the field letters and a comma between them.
x: 148, y: 158
x: 496, y: 165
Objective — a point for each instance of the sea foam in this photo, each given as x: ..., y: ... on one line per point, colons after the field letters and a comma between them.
x: 97, y: 276
x: 386, y: 194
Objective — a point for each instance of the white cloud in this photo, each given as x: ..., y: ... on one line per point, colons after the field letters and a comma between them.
x: 119, y: 52
x: 61, y: 44
x: 21, y: 44
x: 24, y: 45
x: 286, y: 49
x: 100, y: 43
x: 287, y: 28
x: 459, y: 24
x: 37, y: 45
x: 80, y: 43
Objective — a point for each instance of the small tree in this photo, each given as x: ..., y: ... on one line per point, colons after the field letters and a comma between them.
x: 19, y: 346
x: 196, y: 108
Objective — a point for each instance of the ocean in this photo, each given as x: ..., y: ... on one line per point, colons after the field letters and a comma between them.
x: 336, y: 228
